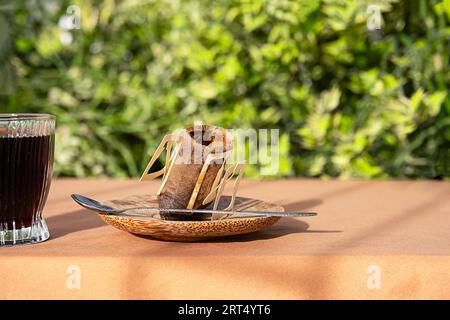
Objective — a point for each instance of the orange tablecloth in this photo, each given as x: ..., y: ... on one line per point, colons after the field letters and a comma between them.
x: 372, y: 239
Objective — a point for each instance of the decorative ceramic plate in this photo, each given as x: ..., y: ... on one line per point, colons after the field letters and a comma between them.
x: 157, y: 228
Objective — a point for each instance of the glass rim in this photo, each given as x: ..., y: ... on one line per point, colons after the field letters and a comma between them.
x: 26, y: 116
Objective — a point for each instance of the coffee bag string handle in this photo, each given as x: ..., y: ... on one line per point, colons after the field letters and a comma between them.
x: 166, y: 143
x: 234, y: 171
x: 223, y: 156
x: 169, y: 169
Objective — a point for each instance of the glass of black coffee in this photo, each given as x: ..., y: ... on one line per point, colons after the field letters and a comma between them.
x: 26, y: 164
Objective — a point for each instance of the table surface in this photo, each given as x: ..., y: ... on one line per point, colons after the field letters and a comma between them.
x: 371, y: 239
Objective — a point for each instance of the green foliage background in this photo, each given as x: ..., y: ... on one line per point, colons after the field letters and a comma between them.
x: 348, y: 102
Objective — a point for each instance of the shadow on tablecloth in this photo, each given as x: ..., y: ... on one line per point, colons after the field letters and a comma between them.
x: 79, y: 220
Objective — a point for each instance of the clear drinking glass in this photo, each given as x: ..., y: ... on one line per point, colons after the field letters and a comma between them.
x: 26, y: 165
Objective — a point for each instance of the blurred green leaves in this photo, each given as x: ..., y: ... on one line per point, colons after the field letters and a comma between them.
x: 6, y: 70
x: 348, y: 104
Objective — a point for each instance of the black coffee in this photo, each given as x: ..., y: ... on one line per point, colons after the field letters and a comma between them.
x: 25, y: 174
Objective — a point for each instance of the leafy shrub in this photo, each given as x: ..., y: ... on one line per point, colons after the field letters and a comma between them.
x: 349, y: 102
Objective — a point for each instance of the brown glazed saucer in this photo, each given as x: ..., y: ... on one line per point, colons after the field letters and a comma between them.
x: 186, y: 231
